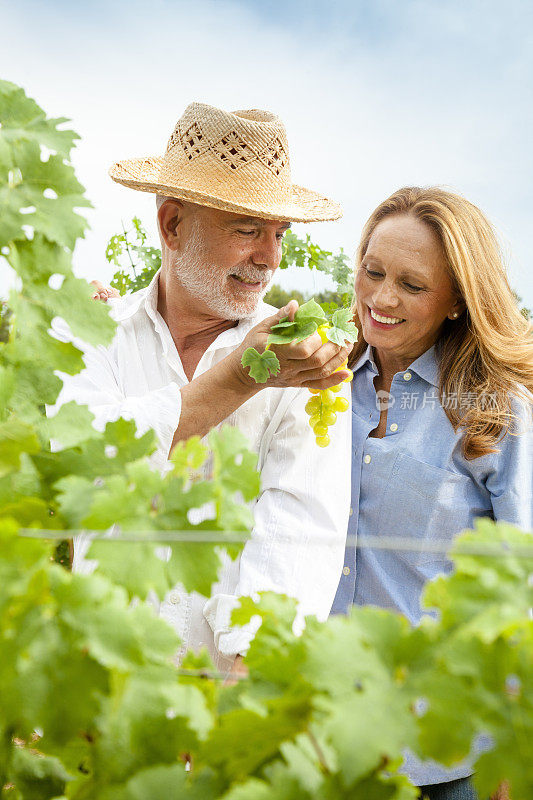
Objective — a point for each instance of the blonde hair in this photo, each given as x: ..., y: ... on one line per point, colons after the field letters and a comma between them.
x: 488, y: 350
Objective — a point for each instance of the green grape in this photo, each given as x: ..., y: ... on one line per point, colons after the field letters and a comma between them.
x: 328, y: 417
x: 312, y: 406
x: 322, y: 332
x: 322, y: 407
x: 327, y: 397
x: 341, y: 404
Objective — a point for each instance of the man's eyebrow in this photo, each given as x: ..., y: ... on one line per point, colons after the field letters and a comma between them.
x: 255, y: 222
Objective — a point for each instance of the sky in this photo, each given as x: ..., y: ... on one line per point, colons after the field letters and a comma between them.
x: 375, y: 94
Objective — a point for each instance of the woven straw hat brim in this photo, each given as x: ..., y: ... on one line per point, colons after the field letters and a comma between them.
x: 144, y: 175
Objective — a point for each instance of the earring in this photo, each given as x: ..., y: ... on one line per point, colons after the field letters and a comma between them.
x: 455, y: 315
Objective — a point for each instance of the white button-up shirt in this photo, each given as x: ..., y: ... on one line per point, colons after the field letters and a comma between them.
x: 301, y: 514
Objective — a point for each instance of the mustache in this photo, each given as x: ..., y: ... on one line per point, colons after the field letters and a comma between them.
x: 253, y: 274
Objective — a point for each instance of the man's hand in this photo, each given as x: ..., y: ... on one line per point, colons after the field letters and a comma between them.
x: 103, y: 292
x: 211, y: 397
x: 238, y: 671
x: 309, y: 363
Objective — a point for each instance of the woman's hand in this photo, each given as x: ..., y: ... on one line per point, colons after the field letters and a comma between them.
x: 310, y: 363
x: 104, y: 292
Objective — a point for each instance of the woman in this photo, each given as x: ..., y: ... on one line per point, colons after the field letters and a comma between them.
x: 441, y: 403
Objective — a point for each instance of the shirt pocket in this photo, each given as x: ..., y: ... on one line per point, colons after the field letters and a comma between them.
x: 429, y: 504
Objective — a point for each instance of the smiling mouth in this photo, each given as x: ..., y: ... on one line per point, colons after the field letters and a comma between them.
x: 384, y: 320
x: 253, y: 286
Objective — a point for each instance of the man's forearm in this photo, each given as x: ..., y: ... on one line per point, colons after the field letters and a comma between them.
x: 210, y: 398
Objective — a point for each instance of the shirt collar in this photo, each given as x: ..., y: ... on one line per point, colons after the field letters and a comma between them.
x: 366, y: 359
x: 425, y: 366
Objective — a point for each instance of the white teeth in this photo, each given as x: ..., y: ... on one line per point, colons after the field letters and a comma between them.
x: 386, y: 320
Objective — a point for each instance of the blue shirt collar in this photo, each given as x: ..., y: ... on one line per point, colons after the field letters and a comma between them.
x: 425, y: 366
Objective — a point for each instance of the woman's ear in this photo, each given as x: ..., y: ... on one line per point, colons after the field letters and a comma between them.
x: 458, y: 308
x: 169, y: 216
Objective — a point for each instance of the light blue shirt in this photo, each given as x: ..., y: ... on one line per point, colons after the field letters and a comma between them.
x: 416, y: 482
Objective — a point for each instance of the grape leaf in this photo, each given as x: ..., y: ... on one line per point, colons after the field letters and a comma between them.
x: 292, y: 333
x: 343, y: 328
x: 310, y: 312
x: 16, y: 437
x: 25, y: 177
x: 188, y: 456
x: 151, y: 700
x: 71, y: 425
x: 306, y: 321
x: 86, y: 319
x: 115, y: 635
x: 194, y: 566
x: 262, y: 365
x: 163, y: 780
x: 36, y: 776
x: 234, y: 466
x: 22, y: 118
x: 244, y: 740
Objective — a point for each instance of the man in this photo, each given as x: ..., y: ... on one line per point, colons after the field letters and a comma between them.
x: 224, y: 200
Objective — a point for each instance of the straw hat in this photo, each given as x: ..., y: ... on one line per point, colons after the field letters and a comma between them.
x: 232, y: 161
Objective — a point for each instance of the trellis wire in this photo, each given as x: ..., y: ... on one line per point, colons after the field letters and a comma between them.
x: 400, y: 543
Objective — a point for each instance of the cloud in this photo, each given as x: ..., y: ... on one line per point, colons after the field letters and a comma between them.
x: 375, y: 95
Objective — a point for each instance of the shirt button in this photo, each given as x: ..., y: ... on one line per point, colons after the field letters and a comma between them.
x: 174, y: 598
x: 367, y: 459
x: 407, y: 376
x: 394, y: 427
x: 346, y: 571
x: 351, y: 511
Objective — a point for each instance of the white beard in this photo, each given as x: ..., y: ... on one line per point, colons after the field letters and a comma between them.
x: 208, y: 283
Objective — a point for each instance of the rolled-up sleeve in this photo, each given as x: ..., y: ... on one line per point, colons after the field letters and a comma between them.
x: 300, y: 521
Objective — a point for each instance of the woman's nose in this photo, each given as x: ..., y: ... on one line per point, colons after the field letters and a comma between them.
x: 385, y: 296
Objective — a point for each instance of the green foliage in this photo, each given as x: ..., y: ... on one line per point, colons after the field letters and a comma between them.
x: 93, y: 706
x: 309, y: 317
x: 526, y: 312
x: 304, y: 253
x: 71, y: 647
x: 5, y: 321
x: 137, y: 262
x: 278, y: 297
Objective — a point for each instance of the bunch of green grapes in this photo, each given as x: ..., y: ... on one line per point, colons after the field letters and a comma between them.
x: 324, y: 406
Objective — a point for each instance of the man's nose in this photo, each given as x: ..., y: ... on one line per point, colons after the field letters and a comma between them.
x: 267, y: 251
